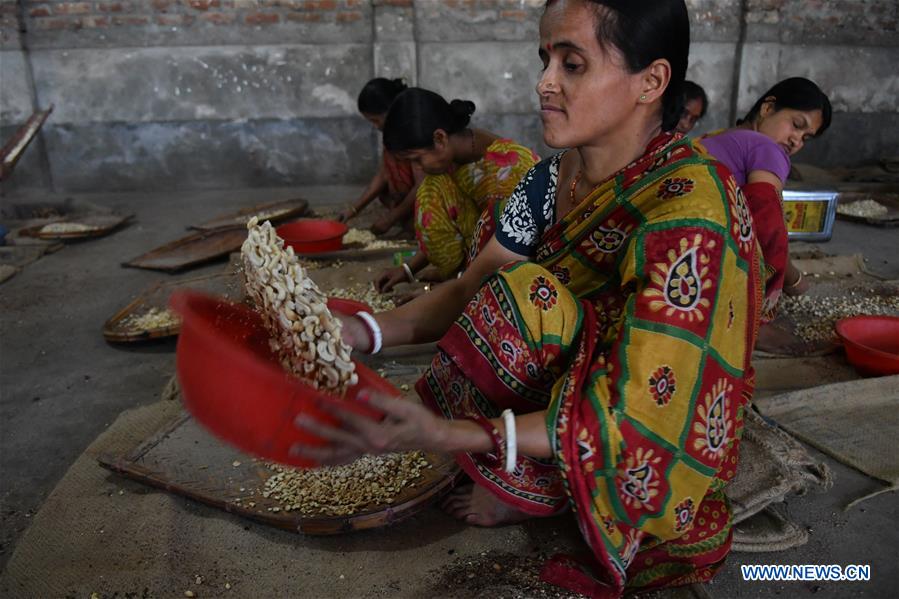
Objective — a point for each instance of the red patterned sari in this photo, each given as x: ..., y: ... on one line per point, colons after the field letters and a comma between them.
x: 400, y: 179
x: 632, y: 328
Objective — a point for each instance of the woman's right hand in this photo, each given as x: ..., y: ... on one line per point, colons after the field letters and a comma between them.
x: 346, y: 215
x: 354, y: 332
x: 389, y: 279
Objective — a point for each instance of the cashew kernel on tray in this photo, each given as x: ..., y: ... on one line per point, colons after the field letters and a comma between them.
x: 304, y: 333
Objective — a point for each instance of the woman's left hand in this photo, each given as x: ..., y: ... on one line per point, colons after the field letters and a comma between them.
x: 407, y: 425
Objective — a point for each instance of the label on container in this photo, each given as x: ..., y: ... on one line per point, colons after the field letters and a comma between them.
x: 805, y: 216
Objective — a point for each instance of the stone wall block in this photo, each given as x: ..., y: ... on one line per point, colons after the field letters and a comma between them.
x: 210, y: 154
x: 856, y: 79
x: 10, y: 38
x: 497, y: 76
x: 759, y: 70
x: 396, y: 59
x: 476, y: 20
x: 103, y: 24
x: 183, y: 84
x: 394, y: 23
x: 16, y: 102
x: 711, y: 66
x: 525, y: 129
x: 714, y: 20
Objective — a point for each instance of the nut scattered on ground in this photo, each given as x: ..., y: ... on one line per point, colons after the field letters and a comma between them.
x: 154, y: 318
x: 345, y: 490
x: 369, y: 241
x: 364, y: 292
x: 67, y: 228
x: 863, y: 208
x: 303, y: 332
x: 493, y: 576
x: 815, y: 317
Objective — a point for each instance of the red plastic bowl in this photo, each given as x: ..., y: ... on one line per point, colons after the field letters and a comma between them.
x: 872, y: 343
x: 235, y: 386
x: 345, y: 305
x: 313, y: 236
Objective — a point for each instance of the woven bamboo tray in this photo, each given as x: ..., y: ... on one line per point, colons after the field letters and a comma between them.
x: 184, y: 459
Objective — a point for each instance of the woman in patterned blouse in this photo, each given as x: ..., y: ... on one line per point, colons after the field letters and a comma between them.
x: 596, y: 353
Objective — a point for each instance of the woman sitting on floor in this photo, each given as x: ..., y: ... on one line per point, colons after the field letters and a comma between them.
x: 757, y: 151
x: 397, y: 180
x: 468, y: 172
x: 596, y: 353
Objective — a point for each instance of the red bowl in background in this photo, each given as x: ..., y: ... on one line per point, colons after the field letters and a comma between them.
x: 313, y: 236
x: 872, y: 343
x: 235, y: 386
x: 345, y: 305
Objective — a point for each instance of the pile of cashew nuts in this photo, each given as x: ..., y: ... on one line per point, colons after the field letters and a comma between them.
x: 304, y: 334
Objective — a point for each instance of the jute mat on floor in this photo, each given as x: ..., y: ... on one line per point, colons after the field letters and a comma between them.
x: 855, y: 422
x: 98, y: 533
x: 101, y: 535
x: 773, y: 465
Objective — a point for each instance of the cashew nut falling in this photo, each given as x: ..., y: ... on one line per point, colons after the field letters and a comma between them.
x: 304, y: 333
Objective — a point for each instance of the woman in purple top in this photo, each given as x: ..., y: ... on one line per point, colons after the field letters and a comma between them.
x: 757, y: 151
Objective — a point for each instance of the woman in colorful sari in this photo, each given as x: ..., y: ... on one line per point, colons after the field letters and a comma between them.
x: 596, y: 353
x: 757, y: 151
x: 396, y: 181
x: 469, y: 172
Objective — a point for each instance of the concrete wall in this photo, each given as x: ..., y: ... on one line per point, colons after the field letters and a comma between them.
x: 170, y: 94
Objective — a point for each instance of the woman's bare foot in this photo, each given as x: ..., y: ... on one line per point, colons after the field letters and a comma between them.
x: 478, y: 506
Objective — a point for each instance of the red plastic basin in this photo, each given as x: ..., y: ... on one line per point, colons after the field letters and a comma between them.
x: 234, y: 385
x: 348, y: 306
x: 872, y: 343
x: 313, y: 236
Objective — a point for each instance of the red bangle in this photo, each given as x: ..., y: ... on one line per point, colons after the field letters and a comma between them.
x: 496, y: 457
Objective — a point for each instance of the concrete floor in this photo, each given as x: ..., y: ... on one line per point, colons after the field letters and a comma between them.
x: 61, y: 384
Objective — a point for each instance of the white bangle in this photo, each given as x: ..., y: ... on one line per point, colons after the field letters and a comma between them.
x: 374, y: 329
x: 409, y: 274
x: 511, y: 441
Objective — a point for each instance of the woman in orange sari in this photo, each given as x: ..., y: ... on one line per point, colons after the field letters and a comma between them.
x: 397, y: 180
x: 596, y: 353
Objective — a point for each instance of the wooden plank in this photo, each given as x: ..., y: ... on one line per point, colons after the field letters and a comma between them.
x: 191, y: 250
x: 226, y: 284
x: 98, y: 226
x: 273, y: 211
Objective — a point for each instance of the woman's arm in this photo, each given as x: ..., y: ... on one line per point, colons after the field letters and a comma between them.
x: 375, y: 187
x: 392, y: 277
x: 411, y: 426
x: 793, y: 282
x: 427, y: 318
x: 399, y: 213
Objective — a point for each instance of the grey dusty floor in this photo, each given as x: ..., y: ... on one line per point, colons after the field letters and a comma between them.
x: 61, y: 384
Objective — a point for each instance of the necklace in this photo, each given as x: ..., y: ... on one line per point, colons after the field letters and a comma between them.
x: 577, y: 179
